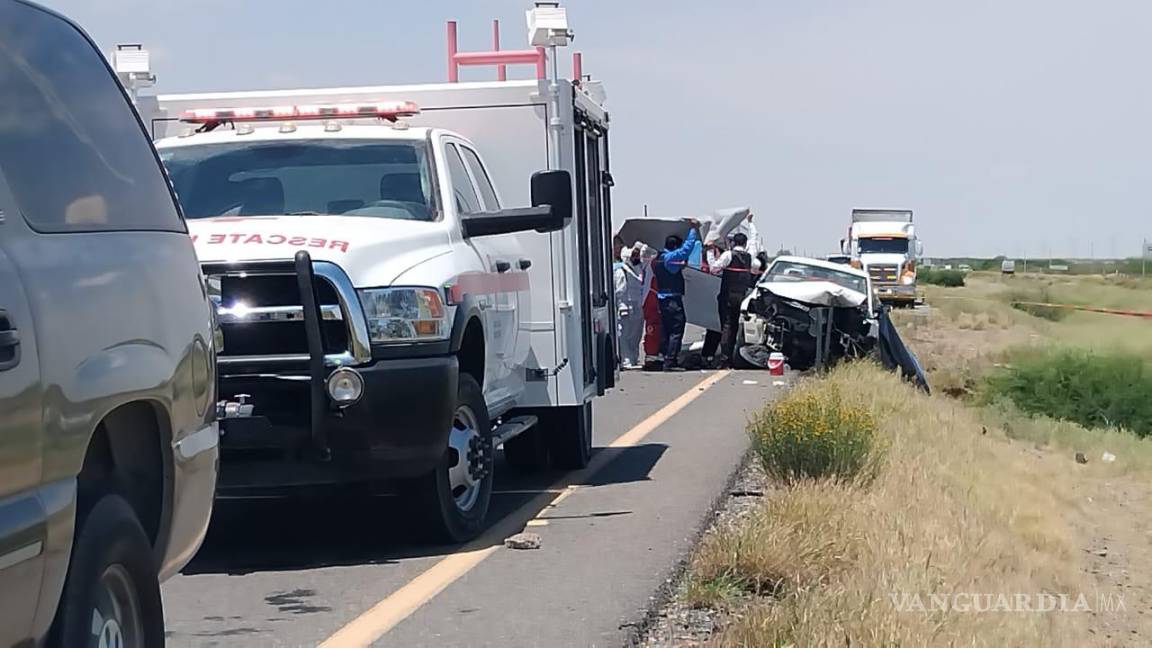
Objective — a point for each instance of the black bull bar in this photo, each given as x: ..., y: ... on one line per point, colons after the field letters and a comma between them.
x: 301, y: 267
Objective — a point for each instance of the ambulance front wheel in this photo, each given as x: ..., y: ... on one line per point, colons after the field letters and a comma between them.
x: 452, y: 501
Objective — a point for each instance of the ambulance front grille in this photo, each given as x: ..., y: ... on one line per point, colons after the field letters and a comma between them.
x: 261, y: 318
x: 261, y: 315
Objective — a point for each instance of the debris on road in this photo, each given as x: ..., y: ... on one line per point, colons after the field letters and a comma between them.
x: 1108, y: 457
x: 1081, y: 458
x: 523, y: 541
x: 751, y: 382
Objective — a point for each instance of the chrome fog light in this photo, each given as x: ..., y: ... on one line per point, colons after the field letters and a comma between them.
x: 345, y: 386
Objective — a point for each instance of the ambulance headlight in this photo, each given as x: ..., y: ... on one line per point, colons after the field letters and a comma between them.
x: 345, y: 386
x: 405, y: 315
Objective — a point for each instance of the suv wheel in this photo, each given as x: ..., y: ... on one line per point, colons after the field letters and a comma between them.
x: 453, y: 499
x: 112, y: 592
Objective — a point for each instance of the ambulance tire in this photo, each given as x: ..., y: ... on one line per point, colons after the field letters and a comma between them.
x: 449, y: 514
x: 569, y: 431
x: 526, y: 452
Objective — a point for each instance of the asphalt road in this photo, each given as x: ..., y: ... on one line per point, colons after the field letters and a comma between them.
x: 346, y: 571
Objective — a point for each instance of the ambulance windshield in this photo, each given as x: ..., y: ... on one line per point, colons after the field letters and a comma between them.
x: 307, y: 177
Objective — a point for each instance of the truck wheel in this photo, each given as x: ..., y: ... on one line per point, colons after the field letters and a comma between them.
x: 112, y: 592
x: 570, y: 436
x: 453, y: 499
x: 527, y: 451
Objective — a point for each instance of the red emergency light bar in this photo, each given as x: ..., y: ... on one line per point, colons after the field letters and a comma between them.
x: 390, y: 111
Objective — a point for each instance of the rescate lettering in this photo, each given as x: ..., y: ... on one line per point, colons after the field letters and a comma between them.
x: 256, y: 238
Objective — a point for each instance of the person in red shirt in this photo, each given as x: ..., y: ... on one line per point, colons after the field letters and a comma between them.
x: 653, y: 359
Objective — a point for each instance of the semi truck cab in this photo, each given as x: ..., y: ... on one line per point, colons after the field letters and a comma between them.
x: 883, y: 242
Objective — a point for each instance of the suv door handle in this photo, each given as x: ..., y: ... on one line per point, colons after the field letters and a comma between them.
x: 9, y: 339
x: 525, y: 264
x: 503, y: 266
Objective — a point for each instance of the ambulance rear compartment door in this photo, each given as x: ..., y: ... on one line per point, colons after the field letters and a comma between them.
x: 593, y: 229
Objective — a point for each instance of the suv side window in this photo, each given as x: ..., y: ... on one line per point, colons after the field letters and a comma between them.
x: 487, y: 192
x: 71, y: 147
x: 466, y: 200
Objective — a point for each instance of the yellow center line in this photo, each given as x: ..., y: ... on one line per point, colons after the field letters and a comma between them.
x: 391, y: 610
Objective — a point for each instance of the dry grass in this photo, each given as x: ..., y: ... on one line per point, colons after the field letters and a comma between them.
x: 970, y: 499
x: 955, y: 510
x: 958, y: 344
x: 799, y: 540
x: 1133, y: 455
x: 969, y: 330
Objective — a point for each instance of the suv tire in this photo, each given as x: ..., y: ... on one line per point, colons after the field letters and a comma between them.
x: 455, y: 513
x: 113, y: 588
x: 570, y: 436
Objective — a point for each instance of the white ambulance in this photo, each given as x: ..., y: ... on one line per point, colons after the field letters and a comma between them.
x: 392, y: 309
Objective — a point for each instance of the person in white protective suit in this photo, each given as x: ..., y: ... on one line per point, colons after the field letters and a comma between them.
x: 631, y: 281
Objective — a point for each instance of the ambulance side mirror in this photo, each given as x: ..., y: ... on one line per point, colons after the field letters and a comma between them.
x: 553, y: 188
x: 550, y: 211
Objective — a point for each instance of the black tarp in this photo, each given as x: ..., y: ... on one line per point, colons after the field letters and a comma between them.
x: 895, y: 355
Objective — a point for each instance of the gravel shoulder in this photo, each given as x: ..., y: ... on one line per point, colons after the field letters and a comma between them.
x: 672, y: 621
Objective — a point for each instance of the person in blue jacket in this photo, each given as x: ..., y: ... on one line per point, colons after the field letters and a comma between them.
x: 669, y: 271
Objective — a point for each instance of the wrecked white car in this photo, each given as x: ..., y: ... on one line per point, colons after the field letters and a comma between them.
x: 814, y: 312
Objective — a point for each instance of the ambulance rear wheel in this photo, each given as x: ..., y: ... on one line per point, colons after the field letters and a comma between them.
x: 569, y: 431
x: 451, y: 502
x: 527, y: 452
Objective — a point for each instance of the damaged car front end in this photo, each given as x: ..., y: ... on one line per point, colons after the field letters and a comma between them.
x: 813, y: 312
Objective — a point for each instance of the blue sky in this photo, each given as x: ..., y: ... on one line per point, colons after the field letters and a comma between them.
x: 1015, y: 127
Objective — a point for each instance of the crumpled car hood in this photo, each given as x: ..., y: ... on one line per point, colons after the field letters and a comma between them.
x: 817, y: 293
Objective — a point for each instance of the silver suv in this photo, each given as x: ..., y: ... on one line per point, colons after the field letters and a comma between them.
x: 108, y: 439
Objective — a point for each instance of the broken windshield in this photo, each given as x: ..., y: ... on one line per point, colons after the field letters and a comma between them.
x: 307, y: 177
x: 791, y: 271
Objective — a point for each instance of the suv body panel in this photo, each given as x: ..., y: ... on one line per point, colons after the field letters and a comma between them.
x: 111, y: 310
